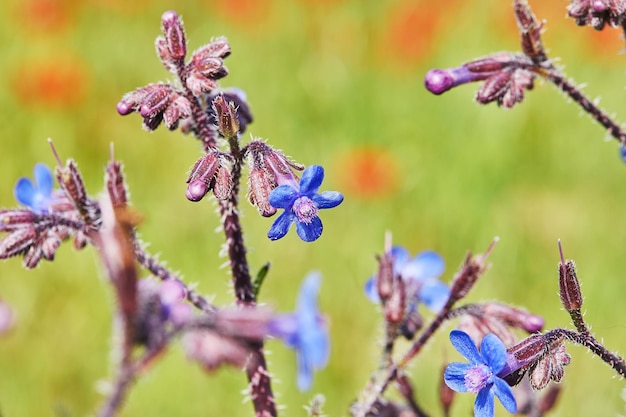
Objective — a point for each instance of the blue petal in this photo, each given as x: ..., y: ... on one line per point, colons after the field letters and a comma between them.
x: 400, y: 257
x: 427, y: 264
x: 43, y: 180
x: 307, y: 296
x: 622, y: 152
x: 314, y: 343
x: 281, y: 225
x: 25, y: 192
x: 434, y: 294
x: 371, y: 290
x: 505, y: 394
x: 311, y: 180
x: 305, y: 372
x: 484, y: 404
x: 454, y: 376
x: 494, y: 352
x: 465, y: 346
x: 311, y: 231
x: 283, y: 197
x: 327, y: 199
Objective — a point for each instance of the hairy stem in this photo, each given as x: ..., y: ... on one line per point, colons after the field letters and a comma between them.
x: 586, y: 339
x: 258, y: 375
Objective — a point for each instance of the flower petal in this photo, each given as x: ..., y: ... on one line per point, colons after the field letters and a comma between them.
x: 311, y: 180
x: 371, y: 290
x: 505, y: 394
x: 285, y: 327
x: 494, y: 352
x: 426, y: 264
x: 465, y: 346
x: 434, y: 294
x: 283, y: 197
x: 484, y: 404
x: 281, y: 225
x: 327, y: 199
x: 25, y: 192
x: 400, y: 257
x: 307, y: 296
x: 454, y: 376
x: 305, y: 372
x: 311, y: 231
x: 44, y: 180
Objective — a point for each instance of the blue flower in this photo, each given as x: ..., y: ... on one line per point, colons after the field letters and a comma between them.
x: 480, y: 376
x: 301, y: 203
x: 421, y: 271
x: 622, y: 153
x: 305, y: 331
x: 38, y: 195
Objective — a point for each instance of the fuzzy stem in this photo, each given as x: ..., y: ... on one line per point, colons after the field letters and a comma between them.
x: 586, y: 339
x: 559, y: 80
x: 158, y: 270
x: 258, y: 375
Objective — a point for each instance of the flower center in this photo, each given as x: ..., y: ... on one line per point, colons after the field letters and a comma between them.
x: 478, y: 378
x: 305, y: 210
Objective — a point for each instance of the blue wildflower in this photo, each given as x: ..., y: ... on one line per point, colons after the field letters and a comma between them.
x: 421, y: 272
x: 36, y: 195
x: 480, y: 376
x: 301, y: 203
x: 305, y: 331
x: 622, y: 152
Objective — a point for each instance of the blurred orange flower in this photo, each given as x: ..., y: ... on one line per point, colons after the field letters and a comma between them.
x: 43, y: 16
x: 54, y: 83
x: 368, y: 172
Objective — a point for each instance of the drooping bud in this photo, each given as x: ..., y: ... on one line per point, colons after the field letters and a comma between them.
x: 202, y: 176
x: 207, y: 66
x: 174, y: 33
x: 223, y: 185
x: 515, y: 317
x: 550, y: 367
x: 179, y: 109
x: 17, y: 242
x: 15, y: 218
x: 494, y: 87
x: 259, y: 189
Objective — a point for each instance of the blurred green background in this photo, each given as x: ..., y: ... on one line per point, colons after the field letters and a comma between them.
x: 336, y: 83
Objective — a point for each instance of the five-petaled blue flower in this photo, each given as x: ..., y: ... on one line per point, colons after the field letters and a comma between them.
x: 36, y: 195
x: 301, y: 203
x: 305, y: 331
x: 421, y: 272
x: 480, y: 376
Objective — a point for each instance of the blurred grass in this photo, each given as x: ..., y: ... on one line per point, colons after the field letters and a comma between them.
x: 325, y: 80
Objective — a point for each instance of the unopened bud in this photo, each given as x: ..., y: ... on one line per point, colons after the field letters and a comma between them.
x: 17, y: 242
x: 515, y: 317
x: 202, y: 176
x: 494, y: 87
x: 226, y: 115
x: 174, y: 35
x: 71, y: 182
x: 385, y: 276
x: 395, y: 304
x: 569, y: 287
x: 259, y: 190
x: 223, y: 184
x: 549, y: 399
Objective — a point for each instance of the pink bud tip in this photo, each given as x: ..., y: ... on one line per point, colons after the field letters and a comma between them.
x: 169, y: 17
x: 196, y: 190
x: 533, y: 323
x: 599, y: 6
x: 124, y: 108
x: 438, y: 81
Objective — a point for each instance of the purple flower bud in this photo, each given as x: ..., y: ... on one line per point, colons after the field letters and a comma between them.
x: 17, y: 242
x: 124, y: 108
x: 259, y: 189
x: 155, y: 102
x: 569, y: 287
x: 226, y: 115
x: 438, y: 81
x: 202, y: 176
x: 196, y: 190
x: 174, y: 35
x: 494, y: 87
x: 223, y: 184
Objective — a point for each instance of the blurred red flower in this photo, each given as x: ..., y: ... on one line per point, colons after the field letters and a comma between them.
x: 368, y: 172
x: 53, y: 83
